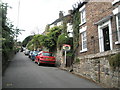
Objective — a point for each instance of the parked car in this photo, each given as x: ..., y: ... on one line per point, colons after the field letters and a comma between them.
x: 33, y: 54
x: 45, y: 57
x: 30, y: 54
x: 27, y: 52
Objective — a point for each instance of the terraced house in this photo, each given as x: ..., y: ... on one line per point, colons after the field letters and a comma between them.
x: 99, y: 28
x: 99, y: 38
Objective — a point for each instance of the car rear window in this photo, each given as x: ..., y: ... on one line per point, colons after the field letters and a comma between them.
x: 47, y: 54
x: 35, y: 52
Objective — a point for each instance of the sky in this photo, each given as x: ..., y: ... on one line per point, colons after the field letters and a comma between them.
x: 34, y: 15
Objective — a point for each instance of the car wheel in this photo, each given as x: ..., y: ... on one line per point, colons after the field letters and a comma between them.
x: 32, y: 59
x: 38, y: 63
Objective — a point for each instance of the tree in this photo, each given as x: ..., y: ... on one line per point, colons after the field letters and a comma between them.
x: 26, y: 40
x: 48, y: 41
x: 52, y: 37
x: 8, y: 33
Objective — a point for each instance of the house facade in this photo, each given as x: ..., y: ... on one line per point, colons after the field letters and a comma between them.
x: 99, y: 38
x: 99, y: 28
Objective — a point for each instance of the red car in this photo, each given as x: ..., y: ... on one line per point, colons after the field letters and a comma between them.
x: 45, y: 57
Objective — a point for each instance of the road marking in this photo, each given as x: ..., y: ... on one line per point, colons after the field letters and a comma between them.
x: 9, y: 84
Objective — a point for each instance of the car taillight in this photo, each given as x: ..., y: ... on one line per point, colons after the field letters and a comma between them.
x: 41, y: 57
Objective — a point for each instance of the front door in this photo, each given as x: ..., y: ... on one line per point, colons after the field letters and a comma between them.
x: 106, y: 38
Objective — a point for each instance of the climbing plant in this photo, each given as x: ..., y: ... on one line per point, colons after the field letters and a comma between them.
x: 76, y: 22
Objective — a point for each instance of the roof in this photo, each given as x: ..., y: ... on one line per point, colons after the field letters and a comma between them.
x: 60, y: 19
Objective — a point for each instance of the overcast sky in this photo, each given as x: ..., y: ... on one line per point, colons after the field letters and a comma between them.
x: 34, y: 15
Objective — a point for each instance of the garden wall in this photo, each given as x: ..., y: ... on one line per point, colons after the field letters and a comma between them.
x: 97, y: 68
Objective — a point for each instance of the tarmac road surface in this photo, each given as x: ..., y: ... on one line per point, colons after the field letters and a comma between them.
x: 24, y: 73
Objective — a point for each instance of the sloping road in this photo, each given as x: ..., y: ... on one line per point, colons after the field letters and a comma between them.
x: 24, y: 73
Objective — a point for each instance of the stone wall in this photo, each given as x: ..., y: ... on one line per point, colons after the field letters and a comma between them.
x: 96, y: 67
x: 59, y: 58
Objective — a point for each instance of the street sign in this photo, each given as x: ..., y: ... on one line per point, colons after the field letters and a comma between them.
x: 66, y: 47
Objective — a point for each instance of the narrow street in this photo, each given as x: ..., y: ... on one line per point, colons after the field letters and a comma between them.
x: 24, y: 73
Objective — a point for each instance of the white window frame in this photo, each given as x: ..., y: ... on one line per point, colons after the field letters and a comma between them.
x: 100, y: 33
x: 118, y: 30
x: 83, y: 30
x: 70, y: 29
x: 116, y: 12
x: 82, y: 15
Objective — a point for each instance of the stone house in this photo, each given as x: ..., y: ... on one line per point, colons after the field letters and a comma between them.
x: 99, y: 38
x: 62, y: 18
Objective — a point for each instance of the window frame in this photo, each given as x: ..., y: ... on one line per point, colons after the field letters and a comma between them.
x: 100, y: 35
x: 83, y: 31
x: 118, y: 28
x: 82, y: 11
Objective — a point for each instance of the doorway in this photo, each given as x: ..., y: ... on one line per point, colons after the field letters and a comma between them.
x: 105, y: 36
x: 106, y: 39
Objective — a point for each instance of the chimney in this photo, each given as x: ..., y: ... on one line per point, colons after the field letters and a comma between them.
x: 69, y: 11
x: 61, y: 14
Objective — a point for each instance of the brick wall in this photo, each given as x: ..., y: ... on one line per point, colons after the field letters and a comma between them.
x: 95, y: 11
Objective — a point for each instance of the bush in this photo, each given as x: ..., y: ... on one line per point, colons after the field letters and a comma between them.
x: 114, y: 61
x: 63, y: 39
x: 77, y: 60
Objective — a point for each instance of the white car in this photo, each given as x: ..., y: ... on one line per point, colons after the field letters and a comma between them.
x: 27, y: 52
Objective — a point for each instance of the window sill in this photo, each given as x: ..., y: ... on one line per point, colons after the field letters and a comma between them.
x: 117, y: 42
x: 82, y: 24
x: 82, y: 51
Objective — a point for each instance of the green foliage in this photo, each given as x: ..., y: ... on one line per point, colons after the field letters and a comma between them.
x: 48, y: 41
x: 76, y: 22
x: 70, y: 54
x: 77, y: 60
x: 62, y: 39
x: 8, y: 34
x: 65, y: 26
x: 114, y: 60
x: 34, y: 42
x: 30, y: 45
x: 26, y: 40
x: 52, y: 37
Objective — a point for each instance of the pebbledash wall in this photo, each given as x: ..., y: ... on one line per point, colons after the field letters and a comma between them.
x: 96, y: 67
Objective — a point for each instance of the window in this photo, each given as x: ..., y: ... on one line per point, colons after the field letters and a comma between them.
x: 82, y: 15
x: 47, y: 54
x: 83, y: 39
x: 118, y: 28
x: 69, y: 30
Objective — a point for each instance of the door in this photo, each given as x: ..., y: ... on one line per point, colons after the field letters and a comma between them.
x: 106, y: 38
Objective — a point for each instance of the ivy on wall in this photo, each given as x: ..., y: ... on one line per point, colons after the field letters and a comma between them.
x: 76, y: 22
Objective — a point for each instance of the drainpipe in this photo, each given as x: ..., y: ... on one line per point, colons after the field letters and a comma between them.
x: 99, y: 71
